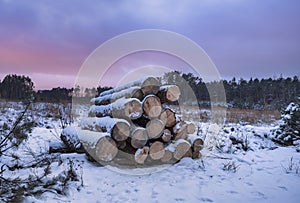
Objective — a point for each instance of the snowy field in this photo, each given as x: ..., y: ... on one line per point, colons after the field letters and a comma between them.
x: 254, y: 170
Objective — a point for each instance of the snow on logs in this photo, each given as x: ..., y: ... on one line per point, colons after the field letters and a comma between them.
x: 133, y: 122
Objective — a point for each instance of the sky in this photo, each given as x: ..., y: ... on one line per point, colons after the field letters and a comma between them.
x: 50, y: 40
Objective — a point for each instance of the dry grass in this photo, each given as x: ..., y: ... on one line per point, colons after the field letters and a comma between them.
x: 233, y: 115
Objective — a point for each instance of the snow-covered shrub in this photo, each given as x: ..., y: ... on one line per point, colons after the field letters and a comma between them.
x: 288, y: 132
x: 233, y: 139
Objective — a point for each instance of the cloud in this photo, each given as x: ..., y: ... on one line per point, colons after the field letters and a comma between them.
x: 239, y: 35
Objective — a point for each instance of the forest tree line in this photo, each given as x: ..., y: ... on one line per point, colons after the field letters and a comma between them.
x: 271, y: 93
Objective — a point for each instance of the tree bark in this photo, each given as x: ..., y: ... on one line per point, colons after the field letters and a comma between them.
x: 132, y: 92
x: 148, y: 85
x: 99, y: 145
x: 122, y: 108
x: 118, y: 128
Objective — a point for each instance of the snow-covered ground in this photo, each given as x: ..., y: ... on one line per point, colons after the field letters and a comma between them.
x: 265, y: 172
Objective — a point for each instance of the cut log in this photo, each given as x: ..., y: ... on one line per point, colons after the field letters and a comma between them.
x: 119, y: 128
x: 122, y: 108
x: 166, y: 136
x: 132, y: 92
x: 157, y: 150
x: 189, y: 153
x: 154, y: 128
x: 168, y: 93
x: 152, y: 106
x: 70, y: 138
x: 168, y: 117
x: 196, y: 155
x: 99, y: 145
x: 196, y: 142
x: 180, y: 131
x: 148, y: 85
x: 121, y: 144
x: 191, y: 127
x: 167, y: 158
x: 139, y: 137
x: 141, y: 155
x: 179, y: 148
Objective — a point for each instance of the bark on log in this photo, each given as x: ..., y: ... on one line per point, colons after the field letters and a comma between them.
x: 99, y: 145
x: 119, y: 128
x: 157, y: 150
x: 139, y: 137
x: 168, y: 117
x: 70, y: 138
x: 154, y: 128
x: 151, y: 106
x: 131, y: 92
x: 141, y: 155
x: 149, y: 85
x: 122, y: 108
x: 169, y: 93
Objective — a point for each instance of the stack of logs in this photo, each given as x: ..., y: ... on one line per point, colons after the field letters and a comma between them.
x: 134, y: 124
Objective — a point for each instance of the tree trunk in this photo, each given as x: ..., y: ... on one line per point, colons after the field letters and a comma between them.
x: 196, y: 142
x: 155, y: 128
x: 119, y: 128
x: 141, y: 155
x: 166, y: 136
x: 139, y: 137
x: 151, y: 106
x: 99, y: 145
x: 157, y: 150
x: 168, y: 117
x: 179, y: 148
x: 132, y: 92
x: 122, y: 108
x: 180, y: 131
x: 168, y: 93
x: 168, y: 156
x: 149, y: 85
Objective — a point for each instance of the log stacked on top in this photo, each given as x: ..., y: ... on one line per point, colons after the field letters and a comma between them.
x: 133, y: 124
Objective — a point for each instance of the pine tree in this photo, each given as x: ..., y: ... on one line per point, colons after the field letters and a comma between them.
x: 289, y: 131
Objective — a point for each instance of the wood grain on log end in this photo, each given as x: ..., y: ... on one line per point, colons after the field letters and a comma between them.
x: 152, y: 106
x: 169, y: 93
x: 139, y: 137
x: 157, y: 150
x: 168, y: 117
x: 154, y: 128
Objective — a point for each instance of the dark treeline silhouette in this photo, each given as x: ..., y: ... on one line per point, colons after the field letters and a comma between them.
x: 272, y: 94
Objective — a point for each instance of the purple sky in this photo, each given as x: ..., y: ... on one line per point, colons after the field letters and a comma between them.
x: 49, y: 40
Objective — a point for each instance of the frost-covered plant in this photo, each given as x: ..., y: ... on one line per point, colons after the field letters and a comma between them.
x: 288, y: 132
x: 292, y: 167
x: 24, y: 173
x: 230, y: 166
